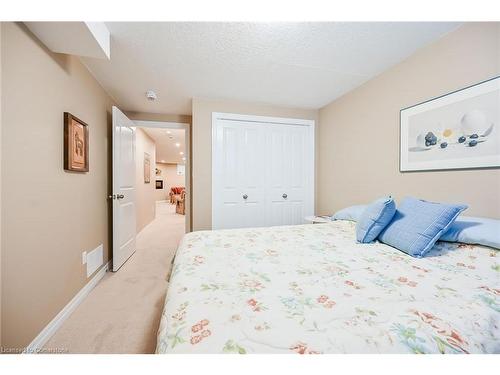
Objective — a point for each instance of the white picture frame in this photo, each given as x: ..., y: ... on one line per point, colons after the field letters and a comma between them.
x: 458, y: 130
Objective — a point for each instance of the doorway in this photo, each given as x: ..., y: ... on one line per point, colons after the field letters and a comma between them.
x: 151, y: 183
x: 169, y: 182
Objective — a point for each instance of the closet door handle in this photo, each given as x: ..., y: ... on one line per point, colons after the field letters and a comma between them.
x: 120, y: 196
x: 245, y: 196
x: 285, y: 196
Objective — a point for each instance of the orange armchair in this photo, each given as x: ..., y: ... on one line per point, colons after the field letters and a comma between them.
x: 180, y: 205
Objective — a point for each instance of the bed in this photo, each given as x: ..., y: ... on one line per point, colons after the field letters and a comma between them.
x: 312, y: 289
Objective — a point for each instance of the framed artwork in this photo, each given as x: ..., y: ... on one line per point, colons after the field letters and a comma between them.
x: 181, y: 169
x: 459, y: 130
x: 159, y: 184
x: 147, y: 168
x: 76, y: 144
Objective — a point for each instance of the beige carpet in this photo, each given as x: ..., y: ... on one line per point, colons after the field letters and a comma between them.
x: 122, y: 313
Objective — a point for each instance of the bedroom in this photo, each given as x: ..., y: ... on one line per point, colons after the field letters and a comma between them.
x: 334, y: 173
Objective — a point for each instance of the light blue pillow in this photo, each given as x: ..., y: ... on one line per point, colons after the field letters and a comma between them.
x: 351, y: 213
x: 474, y: 230
x: 374, y: 219
x: 417, y: 225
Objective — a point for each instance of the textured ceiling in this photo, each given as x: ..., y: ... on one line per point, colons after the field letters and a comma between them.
x: 165, y: 140
x: 305, y: 65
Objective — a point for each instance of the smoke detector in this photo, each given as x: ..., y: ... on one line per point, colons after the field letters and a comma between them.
x: 151, y: 95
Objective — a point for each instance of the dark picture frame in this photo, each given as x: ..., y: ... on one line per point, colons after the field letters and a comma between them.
x: 159, y: 184
x: 76, y: 144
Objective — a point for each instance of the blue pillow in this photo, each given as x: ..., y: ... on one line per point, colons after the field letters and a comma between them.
x: 417, y: 225
x: 351, y: 213
x: 474, y: 230
x: 374, y: 219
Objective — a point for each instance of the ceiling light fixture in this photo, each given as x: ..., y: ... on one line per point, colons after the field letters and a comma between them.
x: 184, y: 159
x: 181, y: 153
x: 177, y: 145
x: 169, y: 132
x: 151, y: 95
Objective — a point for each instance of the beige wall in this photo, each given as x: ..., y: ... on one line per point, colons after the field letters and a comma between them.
x: 145, y: 192
x: 170, y: 178
x: 359, y: 143
x: 202, y: 147
x: 49, y: 216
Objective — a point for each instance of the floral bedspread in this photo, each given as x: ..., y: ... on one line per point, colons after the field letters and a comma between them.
x: 312, y: 289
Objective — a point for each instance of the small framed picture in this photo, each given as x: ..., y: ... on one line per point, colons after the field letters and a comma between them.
x: 147, y: 168
x: 76, y: 144
x: 159, y: 184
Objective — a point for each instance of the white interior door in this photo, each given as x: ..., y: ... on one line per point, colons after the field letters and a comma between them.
x: 124, y: 206
x: 263, y: 171
x: 239, y: 176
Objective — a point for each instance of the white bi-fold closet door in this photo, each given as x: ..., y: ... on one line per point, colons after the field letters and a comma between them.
x: 262, y: 171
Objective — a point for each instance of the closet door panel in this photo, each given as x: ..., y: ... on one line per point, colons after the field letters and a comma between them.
x: 238, y: 182
x: 276, y: 178
x: 296, y: 182
x: 288, y: 187
x: 293, y: 212
x: 276, y: 213
x: 229, y: 158
x: 276, y: 161
x: 252, y: 175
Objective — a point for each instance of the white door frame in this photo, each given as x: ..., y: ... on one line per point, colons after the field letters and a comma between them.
x: 187, y: 175
x: 310, y: 124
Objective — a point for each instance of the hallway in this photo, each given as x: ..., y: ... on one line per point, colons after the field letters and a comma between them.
x: 121, y: 314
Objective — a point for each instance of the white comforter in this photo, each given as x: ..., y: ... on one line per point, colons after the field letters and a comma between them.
x: 312, y: 289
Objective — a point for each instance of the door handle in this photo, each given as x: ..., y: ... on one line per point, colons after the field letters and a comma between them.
x: 120, y: 196
x: 245, y: 196
x: 285, y: 196
x: 112, y: 196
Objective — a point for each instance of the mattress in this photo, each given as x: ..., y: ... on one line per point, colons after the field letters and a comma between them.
x: 312, y: 289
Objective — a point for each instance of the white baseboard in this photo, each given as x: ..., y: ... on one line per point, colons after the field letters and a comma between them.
x: 37, y: 344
